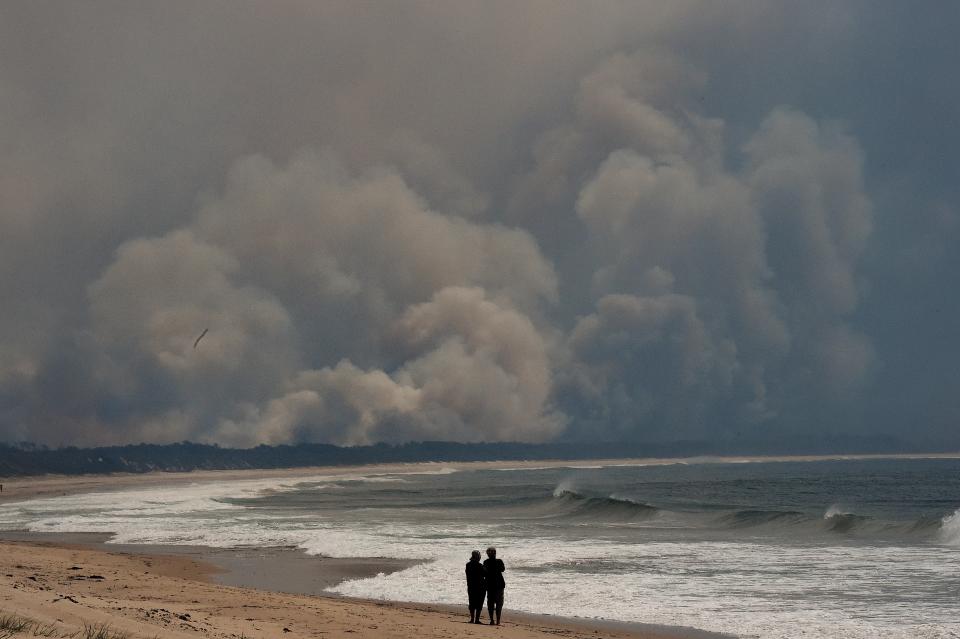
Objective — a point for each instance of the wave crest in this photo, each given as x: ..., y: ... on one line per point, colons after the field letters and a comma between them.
x: 612, y: 507
x: 749, y: 518
x: 845, y: 522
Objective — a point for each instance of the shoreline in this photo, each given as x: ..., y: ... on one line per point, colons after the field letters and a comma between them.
x: 84, y: 571
x: 279, y: 569
x: 26, y: 487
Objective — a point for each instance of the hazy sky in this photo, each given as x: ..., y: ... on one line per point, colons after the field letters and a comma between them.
x: 513, y: 220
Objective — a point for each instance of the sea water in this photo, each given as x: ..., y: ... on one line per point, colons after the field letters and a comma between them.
x: 827, y: 549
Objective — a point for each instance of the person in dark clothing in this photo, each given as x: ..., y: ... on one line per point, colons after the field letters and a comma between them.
x: 495, y: 583
x: 476, y: 586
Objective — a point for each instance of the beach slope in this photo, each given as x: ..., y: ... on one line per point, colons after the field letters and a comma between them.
x: 63, y: 589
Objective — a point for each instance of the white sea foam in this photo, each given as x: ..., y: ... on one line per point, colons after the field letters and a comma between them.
x: 740, y: 588
x: 376, y: 479
x: 565, y: 486
x: 198, y: 513
x: 195, y: 513
x: 444, y: 470
x: 409, y: 541
x: 836, y: 510
x: 950, y: 529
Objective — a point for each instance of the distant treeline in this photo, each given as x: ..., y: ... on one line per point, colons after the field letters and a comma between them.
x: 28, y: 459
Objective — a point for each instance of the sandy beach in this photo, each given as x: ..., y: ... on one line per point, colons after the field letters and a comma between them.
x: 64, y: 588
x: 62, y: 584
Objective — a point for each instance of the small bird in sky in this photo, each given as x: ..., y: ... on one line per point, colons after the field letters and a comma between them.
x: 200, y: 338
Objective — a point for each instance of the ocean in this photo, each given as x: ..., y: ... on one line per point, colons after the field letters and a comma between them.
x: 847, y: 548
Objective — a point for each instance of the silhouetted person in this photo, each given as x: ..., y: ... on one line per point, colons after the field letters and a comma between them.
x: 495, y: 583
x: 476, y: 586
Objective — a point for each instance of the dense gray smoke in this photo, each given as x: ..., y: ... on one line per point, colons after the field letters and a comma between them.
x: 476, y: 221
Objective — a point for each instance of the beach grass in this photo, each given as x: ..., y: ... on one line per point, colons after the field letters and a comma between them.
x: 45, y: 630
x: 101, y: 631
x: 11, y: 624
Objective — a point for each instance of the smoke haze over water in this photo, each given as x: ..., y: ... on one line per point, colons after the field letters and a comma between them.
x: 477, y: 221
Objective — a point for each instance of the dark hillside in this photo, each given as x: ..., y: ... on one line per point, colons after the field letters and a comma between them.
x: 28, y: 459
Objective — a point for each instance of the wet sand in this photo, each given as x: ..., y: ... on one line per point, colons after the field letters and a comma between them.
x: 278, y: 569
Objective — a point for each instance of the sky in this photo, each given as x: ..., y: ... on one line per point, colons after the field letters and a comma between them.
x: 478, y: 221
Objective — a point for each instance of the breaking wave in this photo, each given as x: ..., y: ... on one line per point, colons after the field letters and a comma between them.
x: 569, y: 503
x: 608, y: 508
